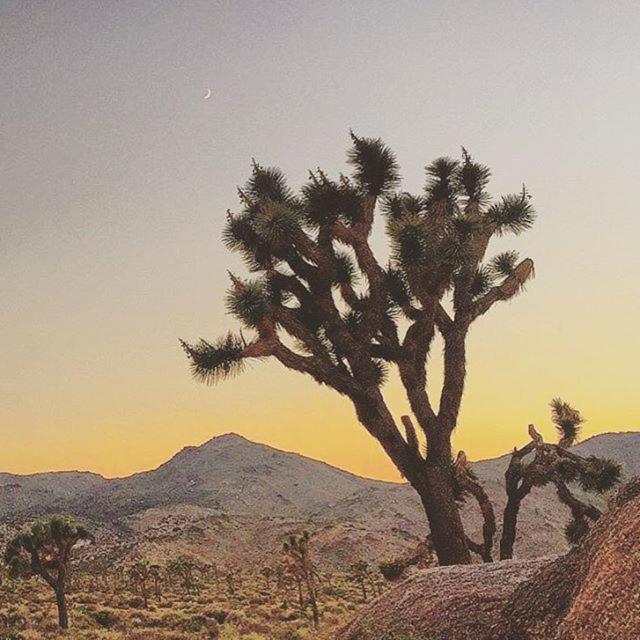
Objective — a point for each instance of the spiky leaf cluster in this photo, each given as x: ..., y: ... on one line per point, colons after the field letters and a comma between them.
x: 502, y: 265
x: 472, y: 179
x: 600, y: 474
x: 576, y: 530
x: 513, y: 213
x: 249, y: 301
x: 211, y: 362
x: 375, y: 166
x: 566, y: 418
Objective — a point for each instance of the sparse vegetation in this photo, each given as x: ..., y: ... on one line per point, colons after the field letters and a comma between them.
x: 298, y: 552
x: 115, y: 609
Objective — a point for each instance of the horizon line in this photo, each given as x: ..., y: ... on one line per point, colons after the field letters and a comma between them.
x: 264, y: 444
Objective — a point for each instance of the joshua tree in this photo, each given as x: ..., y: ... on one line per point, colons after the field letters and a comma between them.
x: 156, y: 574
x: 183, y: 567
x: 539, y: 463
x: 360, y: 573
x: 297, y: 549
x: 45, y: 550
x: 469, y: 485
x: 267, y: 572
x: 229, y: 578
x: 141, y: 573
x: 323, y: 305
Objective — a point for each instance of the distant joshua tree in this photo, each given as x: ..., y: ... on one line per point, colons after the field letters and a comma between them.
x: 45, y: 550
x: 141, y: 572
x: 297, y: 549
x: 323, y: 305
x: 267, y: 572
x: 360, y: 572
x: 184, y: 568
x: 230, y: 580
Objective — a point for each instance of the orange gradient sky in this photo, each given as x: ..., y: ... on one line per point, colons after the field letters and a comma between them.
x: 116, y: 176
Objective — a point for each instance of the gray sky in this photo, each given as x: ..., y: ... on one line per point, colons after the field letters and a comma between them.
x: 116, y: 174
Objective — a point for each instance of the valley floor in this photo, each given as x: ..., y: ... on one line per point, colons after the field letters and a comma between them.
x: 102, y: 611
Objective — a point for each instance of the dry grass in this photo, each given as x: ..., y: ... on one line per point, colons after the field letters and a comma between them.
x: 101, y: 609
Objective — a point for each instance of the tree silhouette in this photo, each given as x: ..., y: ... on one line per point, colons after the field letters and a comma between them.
x: 297, y: 549
x: 45, y: 550
x: 323, y: 305
x: 539, y: 463
x: 267, y: 572
x: 184, y: 568
x: 141, y: 572
x: 360, y: 573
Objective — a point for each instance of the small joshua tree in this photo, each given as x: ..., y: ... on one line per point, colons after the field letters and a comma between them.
x: 360, y: 573
x: 267, y: 572
x: 297, y: 549
x: 539, y: 463
x: 141, y: 572
x: 156, y: 574
x: 45, y: 550
x: 184, y: 568
x: 323, y: 305
x: 230, y: 580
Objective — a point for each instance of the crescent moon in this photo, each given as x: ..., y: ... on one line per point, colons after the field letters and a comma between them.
x: 208, y: 95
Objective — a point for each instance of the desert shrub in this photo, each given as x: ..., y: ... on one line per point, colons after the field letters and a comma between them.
x: 105, y: 618
x: 12, y: 619
x: 391, y: 569
x: 289, y: 615
x: 135, y: 603
x: 219, y: 615
x: 11, y: 634
x: 291, y: 634
x: 331, y: 590
x: 200, y: 623
x: 401, y: 636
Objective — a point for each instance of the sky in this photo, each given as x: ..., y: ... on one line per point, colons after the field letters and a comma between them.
x: 115, y: 176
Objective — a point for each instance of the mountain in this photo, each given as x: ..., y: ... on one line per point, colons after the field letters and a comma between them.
x: 232, y: 498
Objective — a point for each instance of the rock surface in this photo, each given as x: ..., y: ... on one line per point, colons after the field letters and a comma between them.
x: 445, y: 603
x: 591, y: 593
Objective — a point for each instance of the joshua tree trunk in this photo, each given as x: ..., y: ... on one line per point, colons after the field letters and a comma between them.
x: 311, y: 590
x: 61, y: 602
x: 433, y: 478
x: 509, y: 527
x: 300, y: 596
x: 436, y: 490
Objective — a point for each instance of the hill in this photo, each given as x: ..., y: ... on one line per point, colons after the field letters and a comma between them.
x: 236, y: 499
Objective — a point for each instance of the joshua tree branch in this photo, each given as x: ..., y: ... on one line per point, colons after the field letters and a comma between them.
x: 470, y: 484
x: 579, y: 509
x: 509, y: 287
